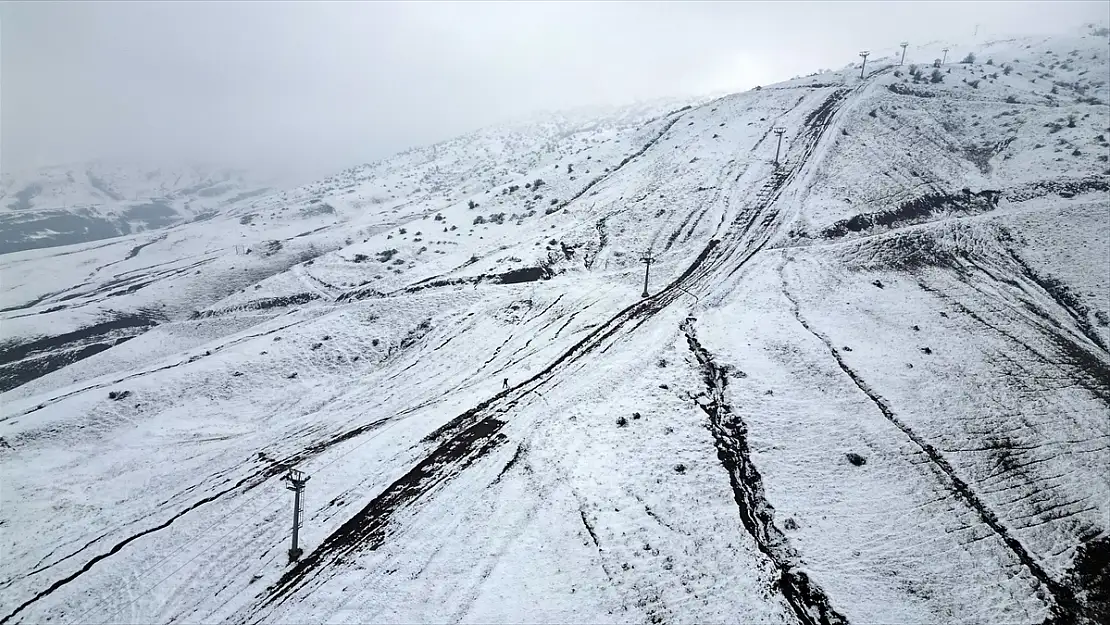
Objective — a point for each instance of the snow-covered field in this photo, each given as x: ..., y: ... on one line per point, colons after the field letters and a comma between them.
x: 869, y: 384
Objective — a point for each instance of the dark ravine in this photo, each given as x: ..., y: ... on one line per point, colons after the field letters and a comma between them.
x: 1064, y: 607
x: 803, y: 595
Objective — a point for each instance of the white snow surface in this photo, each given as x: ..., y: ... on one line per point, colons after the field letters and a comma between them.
x: 869, y: 384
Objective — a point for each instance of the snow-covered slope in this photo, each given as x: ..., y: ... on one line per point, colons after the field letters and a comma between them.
x: 868, y: 384
x: 84, y: 202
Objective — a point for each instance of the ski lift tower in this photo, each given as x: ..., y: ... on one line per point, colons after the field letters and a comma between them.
x: 778, y: 133
x: 296, y: 484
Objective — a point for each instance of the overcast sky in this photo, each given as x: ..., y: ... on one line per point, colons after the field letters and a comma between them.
x: 312, y: 88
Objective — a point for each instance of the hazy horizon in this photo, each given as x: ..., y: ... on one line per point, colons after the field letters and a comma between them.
x: 308, y: 89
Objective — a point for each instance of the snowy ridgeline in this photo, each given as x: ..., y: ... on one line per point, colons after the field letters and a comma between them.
x: 869, y: 384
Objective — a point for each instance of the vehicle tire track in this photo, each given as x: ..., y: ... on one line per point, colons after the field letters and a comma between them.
x: 1065, y: 605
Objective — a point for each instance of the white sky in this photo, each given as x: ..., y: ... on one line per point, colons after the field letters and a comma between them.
x: 312, y: 88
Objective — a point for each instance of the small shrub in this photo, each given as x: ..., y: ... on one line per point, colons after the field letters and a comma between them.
x: 970, y: 58
x: 479, y: 220
x: 974, y: 83
x: 622, y: 421
x: 873, y: 113
x: 680, y: 468
x: 1010, y: 99
x: 990, y: 61
x: 1076, y: 152
x: 361, y: 258
x: 856, y: 459
x: 936, y: 77
x: 472, y: 205
x: 402, y: 231
x: 1007, y: 70
x: 1071, y: 121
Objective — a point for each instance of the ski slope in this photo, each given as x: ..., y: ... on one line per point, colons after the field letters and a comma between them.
x: 870, y: 382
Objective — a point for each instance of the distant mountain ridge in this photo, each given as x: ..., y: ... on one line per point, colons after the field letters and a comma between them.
x: 82, y: 202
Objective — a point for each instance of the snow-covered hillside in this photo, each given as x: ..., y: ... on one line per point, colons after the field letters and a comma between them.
x: 70, y: 204
x: 869, y: 383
